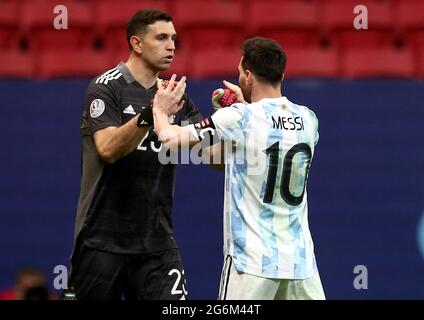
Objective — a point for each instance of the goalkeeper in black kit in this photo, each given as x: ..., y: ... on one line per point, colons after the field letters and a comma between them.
x: 124, y: 245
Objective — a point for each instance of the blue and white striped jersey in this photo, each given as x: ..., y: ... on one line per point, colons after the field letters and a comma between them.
x: 266, y: 227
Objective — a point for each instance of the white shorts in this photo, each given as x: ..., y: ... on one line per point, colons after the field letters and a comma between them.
x: 237, y: 285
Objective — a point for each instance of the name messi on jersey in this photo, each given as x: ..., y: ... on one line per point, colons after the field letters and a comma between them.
x: 288, y: 123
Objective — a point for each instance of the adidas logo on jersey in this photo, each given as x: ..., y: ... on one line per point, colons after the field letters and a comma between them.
x: 129, y: 110
x: 112, y: 74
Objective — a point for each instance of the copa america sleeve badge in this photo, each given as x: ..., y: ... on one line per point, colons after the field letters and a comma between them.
x: 97, y: 108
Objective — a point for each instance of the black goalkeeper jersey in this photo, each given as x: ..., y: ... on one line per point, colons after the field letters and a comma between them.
x: 125, y: 207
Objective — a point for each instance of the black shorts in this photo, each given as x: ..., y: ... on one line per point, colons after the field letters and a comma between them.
x: 152, y: 276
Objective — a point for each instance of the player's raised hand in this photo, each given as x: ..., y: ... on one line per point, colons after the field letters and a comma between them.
x: 236, y: 89
x: 222, y: 98
x: 168, y: 97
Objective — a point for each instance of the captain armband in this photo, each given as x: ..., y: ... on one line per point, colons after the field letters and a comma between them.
x: 205, y: 132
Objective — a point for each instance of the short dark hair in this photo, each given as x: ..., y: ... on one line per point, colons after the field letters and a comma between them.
x: 264, y: 58
x: 141, y: 19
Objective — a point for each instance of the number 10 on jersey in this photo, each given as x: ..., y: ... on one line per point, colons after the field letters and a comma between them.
x: 274, y: 156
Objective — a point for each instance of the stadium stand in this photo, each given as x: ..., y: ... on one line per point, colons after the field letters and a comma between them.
x: 378, y: 62
x: 336, y: 20
x: 205, y: 24
x: 37, y: 25
x: 16, y: 64
x: 312, y: 61
x: 211, y: 32
x: 217, y: 62
x: 112, y: 17
x: 8, y: 23
x: 289, y: 22
x: 408, y: 14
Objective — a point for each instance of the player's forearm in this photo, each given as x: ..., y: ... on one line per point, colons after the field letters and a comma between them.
x: 119, y: 142
x: 172, y: 136
x: 166, y: 133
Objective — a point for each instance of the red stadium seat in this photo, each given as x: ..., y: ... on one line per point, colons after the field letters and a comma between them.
x: 8, y: 13
x: 346, y: 39
x: 312, y: 61
x: 16, y: 64
x: 207, y: 37
x: 37, y: 23
x: 337, y: 14
x: 211, y: 23
x: 275, y: 14
x: 115, y: 14
x: 420, y: 62
x: 416, y: 39
x: 9, y: 36
x: 116, y: 39
x: 292, y: 37
x: 408, y: 14
x: 378, y: 62
x: 216, y: 62
x: 67, y: 63
x: 291, y: 22
x: 119, y: 55
x: 210, y: 13
x: 71, y: 39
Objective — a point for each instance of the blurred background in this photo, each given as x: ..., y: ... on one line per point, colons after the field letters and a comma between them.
x: 366, y: 184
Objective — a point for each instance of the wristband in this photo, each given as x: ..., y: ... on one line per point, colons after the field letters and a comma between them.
x: 145, y: 118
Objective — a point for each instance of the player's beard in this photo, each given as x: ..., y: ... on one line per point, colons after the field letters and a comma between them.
x: 155, y: 64
x: 163, y: 66
x: 247, y: 92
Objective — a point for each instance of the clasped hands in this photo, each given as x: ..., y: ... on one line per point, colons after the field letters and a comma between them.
x: 168, y: 98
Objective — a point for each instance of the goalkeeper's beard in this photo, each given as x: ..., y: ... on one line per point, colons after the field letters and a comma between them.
x: 156, y: 67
